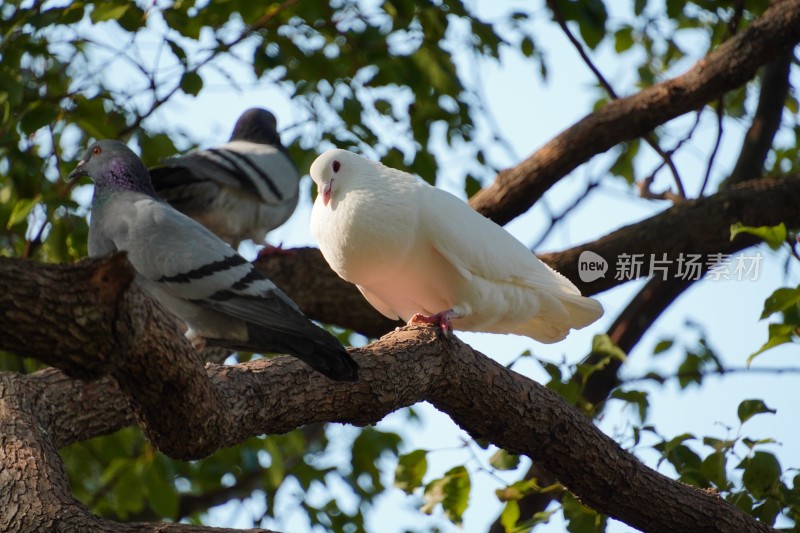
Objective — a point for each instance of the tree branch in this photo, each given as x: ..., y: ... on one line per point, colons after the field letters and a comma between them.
x: 36, y: 494
x: 700, y: 226
x: 276, y: 395
x: 765, y: 124
x: 732, y: 64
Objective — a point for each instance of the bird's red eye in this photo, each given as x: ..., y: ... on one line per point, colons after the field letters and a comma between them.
x: 336, y: 166
x: 96, y: 150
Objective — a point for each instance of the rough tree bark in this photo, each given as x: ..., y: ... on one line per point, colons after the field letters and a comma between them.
x: 280, y: 394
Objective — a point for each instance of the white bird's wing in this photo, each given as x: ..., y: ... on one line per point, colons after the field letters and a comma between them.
x: 476, y: 246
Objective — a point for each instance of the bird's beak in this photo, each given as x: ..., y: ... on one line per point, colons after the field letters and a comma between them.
x: 326, y: 192
x: 79, y: 171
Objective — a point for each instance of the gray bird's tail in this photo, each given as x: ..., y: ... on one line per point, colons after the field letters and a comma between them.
x: 319, y: 349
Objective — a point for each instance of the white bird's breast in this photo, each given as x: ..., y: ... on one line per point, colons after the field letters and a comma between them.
x: 362, y: 236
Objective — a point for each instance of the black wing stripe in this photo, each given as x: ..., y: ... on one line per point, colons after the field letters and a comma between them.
x: 205, y: 270
x: 236, y: 159
x: 247, y: 280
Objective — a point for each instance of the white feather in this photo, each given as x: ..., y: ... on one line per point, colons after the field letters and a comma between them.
x: 412, y: 248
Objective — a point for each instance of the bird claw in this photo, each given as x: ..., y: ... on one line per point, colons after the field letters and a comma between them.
x: 441, y: 319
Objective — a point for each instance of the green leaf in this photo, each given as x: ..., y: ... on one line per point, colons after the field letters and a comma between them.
x: 581, y: 519
x: 438, y: 70
x: 509, y: 516
x: 502, y: 460
x: 713, y: 468
x: 668, y: 446
x: 591, y: 17
x: 663, y: 346
x: 191, y: 83
x: 411, y: 468
x: 21, y: 210
x: 774, y: 236
x: 750, y: 408
x: 38, y: 115
x: 602, y: 344
x: 472, y: 186
x: 526, y: 46
x: 768, y: 511
x: 623, y: 39
x: 761, y: 474
x: 689, y: 371
x: 636, y: 397
x: 161, y: 493
x: 108, y: 11
x: 370, y: 445
x: 750, y: 443
x: 451, y: 491
x: 781, y: 300
x: 718, y: 444
x: 778, y: 334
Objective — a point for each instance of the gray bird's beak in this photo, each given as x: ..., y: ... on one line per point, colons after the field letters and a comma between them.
x: 79, y: 171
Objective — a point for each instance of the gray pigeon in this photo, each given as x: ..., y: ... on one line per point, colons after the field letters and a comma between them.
x: 222, y: 298
x: 240, y: 190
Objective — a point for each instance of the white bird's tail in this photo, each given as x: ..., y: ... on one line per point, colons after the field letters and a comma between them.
x: 558, y: 315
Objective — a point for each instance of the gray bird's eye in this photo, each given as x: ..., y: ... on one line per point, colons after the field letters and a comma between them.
x: 336, y: 166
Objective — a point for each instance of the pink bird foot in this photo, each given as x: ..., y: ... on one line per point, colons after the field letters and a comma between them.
x: 269, y: 250
x: 441, y: 319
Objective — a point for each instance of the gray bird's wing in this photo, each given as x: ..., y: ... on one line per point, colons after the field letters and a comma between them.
x: 189, y: 262
x: 261, y: 170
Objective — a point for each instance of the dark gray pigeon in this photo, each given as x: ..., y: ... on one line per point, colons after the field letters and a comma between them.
x: 240, y: 190
x: 222, y: 298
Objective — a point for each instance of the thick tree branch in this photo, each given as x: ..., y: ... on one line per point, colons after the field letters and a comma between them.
x: 35, y: 493
x: 700, y: 226
x: 403, y: 368
x: 765, y: 124
x: 514, y: 190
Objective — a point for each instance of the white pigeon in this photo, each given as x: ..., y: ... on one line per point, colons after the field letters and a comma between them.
x: 222, y: 298
x: 421, y: 254
x: 240, y: 190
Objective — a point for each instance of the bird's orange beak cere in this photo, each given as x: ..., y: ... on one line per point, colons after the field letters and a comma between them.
x: 326, y: 192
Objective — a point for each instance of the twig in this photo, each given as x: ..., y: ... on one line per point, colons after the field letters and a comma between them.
x: 649, y: 137
x: 646, y: 192
x: 713, y: 372
x: 555, y: 219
